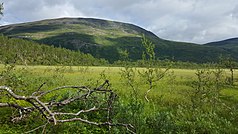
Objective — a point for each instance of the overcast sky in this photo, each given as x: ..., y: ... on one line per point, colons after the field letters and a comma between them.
x: 198, y: 21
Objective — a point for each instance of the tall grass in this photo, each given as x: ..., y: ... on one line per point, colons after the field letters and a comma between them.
x: 183, y: 101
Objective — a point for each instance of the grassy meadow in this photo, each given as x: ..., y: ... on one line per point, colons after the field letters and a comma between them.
x: 172, y: 107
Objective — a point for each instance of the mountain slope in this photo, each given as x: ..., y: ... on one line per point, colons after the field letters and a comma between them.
x: 108, y: 39
x: 230, y: 45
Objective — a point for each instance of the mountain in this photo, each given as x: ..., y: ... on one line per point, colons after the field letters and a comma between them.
x: 230, y: 45
x: 109, y: 39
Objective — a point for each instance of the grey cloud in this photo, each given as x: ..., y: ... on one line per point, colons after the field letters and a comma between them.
x: 197, y: 21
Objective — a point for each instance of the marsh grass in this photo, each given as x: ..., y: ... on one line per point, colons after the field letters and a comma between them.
x: 169, y: 109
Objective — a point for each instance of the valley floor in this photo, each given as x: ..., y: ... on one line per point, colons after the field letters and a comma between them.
x: 176, y: 92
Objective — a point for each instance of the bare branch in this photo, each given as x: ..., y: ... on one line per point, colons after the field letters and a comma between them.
x: 51, y: 112
x: 146, y: 93
x: 151, y: 79
x: 81, y: 111
x: 38, y: 90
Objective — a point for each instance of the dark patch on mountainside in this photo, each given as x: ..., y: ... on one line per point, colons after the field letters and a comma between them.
x: 228, y: 43
x: 105, y: 39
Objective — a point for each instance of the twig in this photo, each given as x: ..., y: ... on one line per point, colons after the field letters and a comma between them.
x: 37, y: 128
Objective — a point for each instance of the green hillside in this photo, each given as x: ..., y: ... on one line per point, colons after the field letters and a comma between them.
x: 21, y: 51
x: 107, y: 39
x: 230, y: 45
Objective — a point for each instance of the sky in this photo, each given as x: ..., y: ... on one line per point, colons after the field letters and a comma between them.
x: 197, y: 21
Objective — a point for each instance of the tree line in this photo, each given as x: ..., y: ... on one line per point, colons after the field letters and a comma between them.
x: 19, y: 51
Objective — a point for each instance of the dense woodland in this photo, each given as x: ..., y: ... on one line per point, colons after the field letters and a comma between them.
x: 25, y: 52
x: 22, y: 52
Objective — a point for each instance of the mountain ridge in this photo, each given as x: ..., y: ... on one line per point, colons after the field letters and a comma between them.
x: 224, y: 43
x: 108, y: 39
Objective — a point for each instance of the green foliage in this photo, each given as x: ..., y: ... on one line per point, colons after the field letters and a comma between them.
x: 24, y: 52
x: 202, y: 107
x: 9, y: 77
x: 197, y: 121
x: 149, y: 48
x: 124, y: 54
x: 162, y: 122
x: 134, y: 106
x: 228, y: 44
x: 207, y: 88
x: 25, y: 84
x: 231, y: 64
x: 128, y: 76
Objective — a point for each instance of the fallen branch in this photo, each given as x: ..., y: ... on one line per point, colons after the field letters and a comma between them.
x: 51, y: 112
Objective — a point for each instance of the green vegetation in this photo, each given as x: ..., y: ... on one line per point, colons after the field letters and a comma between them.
x: 24, y: 52
x: 156, y: 98
x: 229, y: 45
x: 183, y: 101
x: 20, y: 51
x: 106, y: 39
